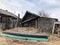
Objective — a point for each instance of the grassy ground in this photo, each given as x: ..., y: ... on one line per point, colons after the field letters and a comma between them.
x: 53, y: 40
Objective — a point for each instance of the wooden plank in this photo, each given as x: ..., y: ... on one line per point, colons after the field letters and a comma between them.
x: 27, y: 33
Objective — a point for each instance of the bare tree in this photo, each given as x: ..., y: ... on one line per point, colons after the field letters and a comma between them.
x: 43, y: 14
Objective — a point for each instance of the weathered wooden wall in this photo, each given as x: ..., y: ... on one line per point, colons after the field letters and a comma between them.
x: 7, y: 22
x: 31, y: 23
x: 45, y: 24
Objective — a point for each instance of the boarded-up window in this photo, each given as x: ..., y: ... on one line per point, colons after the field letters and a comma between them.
x: 3, y: 19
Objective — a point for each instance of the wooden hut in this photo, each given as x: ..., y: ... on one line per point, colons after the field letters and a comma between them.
x: 7, y: 19
x: 42, y: 23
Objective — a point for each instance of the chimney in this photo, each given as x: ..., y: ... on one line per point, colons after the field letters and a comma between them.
x: 6, y: 10
x: 18, y: 15
x: 18, y: 20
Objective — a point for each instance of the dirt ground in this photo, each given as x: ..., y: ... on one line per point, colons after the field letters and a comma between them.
x: 53, y: 40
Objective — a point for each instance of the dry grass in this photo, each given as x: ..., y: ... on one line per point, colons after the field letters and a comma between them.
x: 23, y: 29
x: 9, y: 41
x: 53, y: 40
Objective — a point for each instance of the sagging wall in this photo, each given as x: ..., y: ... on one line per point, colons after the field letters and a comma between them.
x: 45, y: 24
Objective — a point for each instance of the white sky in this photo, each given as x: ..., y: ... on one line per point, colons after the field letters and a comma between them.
x: 52, y: 7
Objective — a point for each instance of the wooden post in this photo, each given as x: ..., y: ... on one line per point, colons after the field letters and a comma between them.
x: 36, y: 23
x: 58, y: 32
x: 53, y: 28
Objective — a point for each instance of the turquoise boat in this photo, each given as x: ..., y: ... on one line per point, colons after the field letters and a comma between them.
x: 26, y: 38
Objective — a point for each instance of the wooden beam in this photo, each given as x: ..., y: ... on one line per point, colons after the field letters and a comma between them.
x: 53, y: 28
x: 57, y: 22
x: 28, y: 20
x: 26, y: 33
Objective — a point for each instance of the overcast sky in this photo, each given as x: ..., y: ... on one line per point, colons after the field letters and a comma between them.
x: 52, y: 7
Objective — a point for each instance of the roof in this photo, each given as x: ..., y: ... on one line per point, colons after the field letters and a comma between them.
x: 37, y: 16
x: 57, y: 22
x: 7, y: 13
x: 27, y: 12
